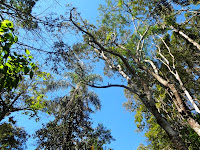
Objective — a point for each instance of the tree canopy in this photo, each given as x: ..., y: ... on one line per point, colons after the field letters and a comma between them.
x: 158, y: 55
x: 152, y: 45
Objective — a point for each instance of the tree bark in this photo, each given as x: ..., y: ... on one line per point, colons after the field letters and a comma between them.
x: 181, y: 107
x: 186, y: 37
x: 2, y: 116
x: 173, y: 135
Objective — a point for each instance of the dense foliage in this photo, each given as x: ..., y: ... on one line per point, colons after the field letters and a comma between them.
x: 24, y: 88
x: 12, y: 137
x: 153, y: 45
x: 72, y: 126
x: 146, y: 43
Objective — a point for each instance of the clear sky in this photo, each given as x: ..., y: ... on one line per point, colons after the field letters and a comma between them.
x: 112, y: 115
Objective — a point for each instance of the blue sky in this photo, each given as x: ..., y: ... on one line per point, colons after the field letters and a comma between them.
x: 112, y: 114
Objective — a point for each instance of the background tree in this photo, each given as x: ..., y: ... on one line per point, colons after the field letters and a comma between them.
x: 72, y: 126
x: 12, y: 137
x: 19, y: 12
x: 31, y: 95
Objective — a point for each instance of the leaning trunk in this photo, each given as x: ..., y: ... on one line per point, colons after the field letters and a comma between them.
x: 183, y: 110
x: 179, y: 103
x: 173, y: 135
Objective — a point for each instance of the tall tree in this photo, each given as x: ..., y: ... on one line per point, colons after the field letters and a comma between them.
x: 135, y: 42
x: 72, y: 126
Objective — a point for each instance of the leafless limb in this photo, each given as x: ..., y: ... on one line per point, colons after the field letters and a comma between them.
x: 100, y: 46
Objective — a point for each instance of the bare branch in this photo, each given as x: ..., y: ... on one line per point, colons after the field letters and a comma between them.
x: 159, y: 51
x: 141, y: 39
x: 187, y: 21
x: 118, y: 68
x: 16, y: 98
x: 114, y: 85
x: 153, y: 66
x: 101, y: 47
x: 169, y: 51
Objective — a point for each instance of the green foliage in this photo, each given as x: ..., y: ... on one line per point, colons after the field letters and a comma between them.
x: 20, y: 12
x: 143, y: 147
x: 98, y: 137
x: 12, y: 137
x: 29, y: 96
x: 14, y: 83
x: 120, y: 2
x: 13, y: 66
x: 72, y: 123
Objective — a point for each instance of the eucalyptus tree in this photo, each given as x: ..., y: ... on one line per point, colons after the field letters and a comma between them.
x: 146, y: 43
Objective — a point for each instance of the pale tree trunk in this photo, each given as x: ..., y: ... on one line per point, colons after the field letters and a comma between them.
x: 179, y: 103
x: 186, y: 37
x: 148, y: 101
x: 173, y: 135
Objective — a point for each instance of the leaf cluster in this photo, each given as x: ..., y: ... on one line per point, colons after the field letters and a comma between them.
x: 13, y: 66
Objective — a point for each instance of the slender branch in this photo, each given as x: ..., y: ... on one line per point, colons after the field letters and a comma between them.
x: 16, y: 98
x: 169, y: 51
x: 101, y: 47
x: 132, y: 18
x: 113, y: 85
x: 153, y: 66
x: 159, y: 51
x: 118, y: 67
x: 187, y: 21
x: 141, y: 39
x: 187, y: 37
x: 20, y: 109
x: 37, y: 49
x: 19, y: 13
x: 122, y: 47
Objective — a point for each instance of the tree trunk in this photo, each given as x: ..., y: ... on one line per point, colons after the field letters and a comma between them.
x: 181, y: 107
x: 183, y: 110
x: 186, y: 37
x: 2, y: 116
x: 174, y: 136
